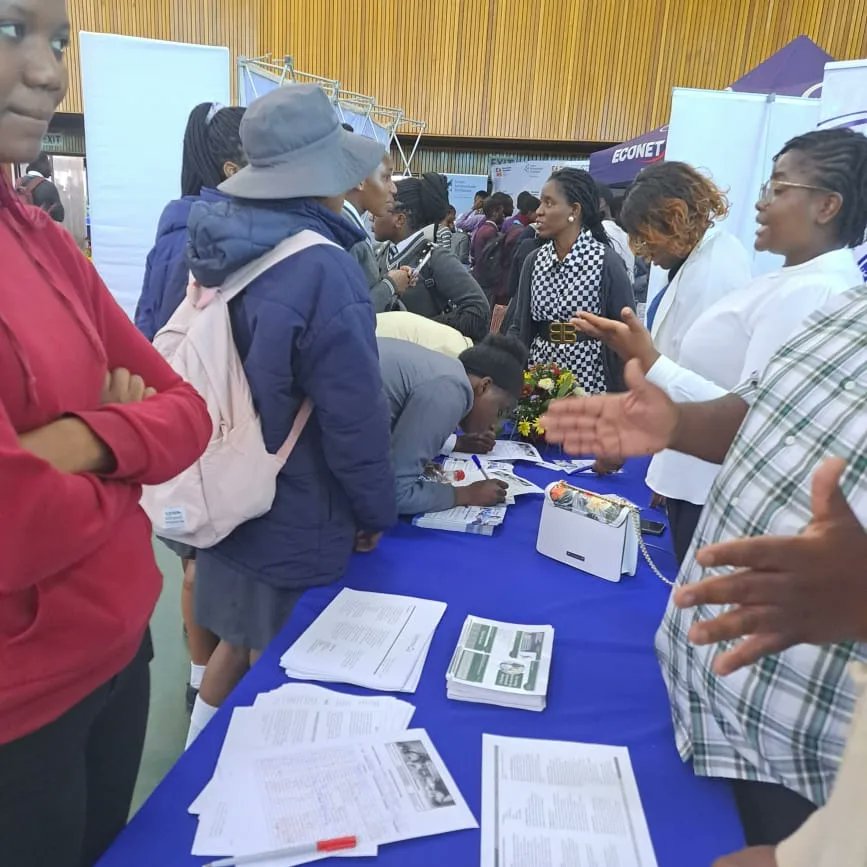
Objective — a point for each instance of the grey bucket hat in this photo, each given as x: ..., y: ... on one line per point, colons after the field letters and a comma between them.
x: 296, y: 148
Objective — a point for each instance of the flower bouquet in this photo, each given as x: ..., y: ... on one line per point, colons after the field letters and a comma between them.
x: 542, y: 384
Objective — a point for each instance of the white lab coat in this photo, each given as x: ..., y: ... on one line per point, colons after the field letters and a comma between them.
x: 734, y: 340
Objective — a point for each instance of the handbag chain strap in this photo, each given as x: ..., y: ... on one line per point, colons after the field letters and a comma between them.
x: 635, y: 518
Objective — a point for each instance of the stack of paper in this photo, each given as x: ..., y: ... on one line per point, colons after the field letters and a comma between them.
x: 375, y: 640
x: 579, y: 465
x: 508, y: 450
x: 307, y: 764
x: 506, y: 664
x: 554, y: 802
x: 481, y: 520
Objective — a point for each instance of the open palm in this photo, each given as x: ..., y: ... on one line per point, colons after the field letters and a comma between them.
x: 640, y: 421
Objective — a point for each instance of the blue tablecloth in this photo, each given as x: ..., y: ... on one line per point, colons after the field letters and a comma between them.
x: 605, y: 685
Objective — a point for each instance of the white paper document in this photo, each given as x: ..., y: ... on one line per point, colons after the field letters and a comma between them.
x: 496, y: 470
x: 508, y: 450
x: 374, y: 640
x: 560, y: 804
x: 380, y: 789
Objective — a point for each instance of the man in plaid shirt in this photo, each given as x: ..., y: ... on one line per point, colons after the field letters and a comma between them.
x: 778, y: 726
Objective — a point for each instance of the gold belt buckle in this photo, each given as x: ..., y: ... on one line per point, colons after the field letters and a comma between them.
x: 562, y: 332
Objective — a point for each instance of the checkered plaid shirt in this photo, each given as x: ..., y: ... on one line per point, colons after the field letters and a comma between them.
x: 784, y: 719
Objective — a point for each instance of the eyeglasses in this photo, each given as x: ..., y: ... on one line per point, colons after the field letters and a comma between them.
x: 770, y: 187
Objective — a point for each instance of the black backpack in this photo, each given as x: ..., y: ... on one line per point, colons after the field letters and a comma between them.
x: 488, y: 266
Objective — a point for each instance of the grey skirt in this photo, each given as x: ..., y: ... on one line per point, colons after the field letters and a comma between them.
x: 239, y: 609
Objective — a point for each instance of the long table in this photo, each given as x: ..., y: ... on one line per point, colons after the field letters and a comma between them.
x: 605, y: 684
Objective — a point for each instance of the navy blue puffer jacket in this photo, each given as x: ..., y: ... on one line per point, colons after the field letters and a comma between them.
x: 304, y: 328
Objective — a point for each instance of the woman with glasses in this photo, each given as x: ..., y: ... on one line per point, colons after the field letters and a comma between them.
x: 811, y: 211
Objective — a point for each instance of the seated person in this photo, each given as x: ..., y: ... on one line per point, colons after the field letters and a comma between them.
x: 430, y: 395
x: 443, y: 289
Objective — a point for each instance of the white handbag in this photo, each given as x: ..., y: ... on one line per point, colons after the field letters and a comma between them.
x: 596, y: 533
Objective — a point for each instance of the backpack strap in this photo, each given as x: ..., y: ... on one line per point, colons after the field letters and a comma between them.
x: 243, y: 277
x: 298, y: 426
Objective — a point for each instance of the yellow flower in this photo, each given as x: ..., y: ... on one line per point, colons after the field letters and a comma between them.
x: 524, y: 428
x: 528, y: 377
x: 546, y: 384
x: 538, y: 428
x: 564, y: 378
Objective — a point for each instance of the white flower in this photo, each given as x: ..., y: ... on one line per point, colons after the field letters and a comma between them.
x: 546, y: 384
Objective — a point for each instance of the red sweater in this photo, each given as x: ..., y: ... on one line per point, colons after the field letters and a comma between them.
x: 78, y: 581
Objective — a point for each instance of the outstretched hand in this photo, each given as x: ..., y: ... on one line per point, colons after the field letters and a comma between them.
x: 789, y: 589
x: 628, y: 338
x: 641, y: 421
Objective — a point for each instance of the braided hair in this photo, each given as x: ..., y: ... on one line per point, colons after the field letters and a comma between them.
x: 839, y: 164
x: 212, y: 138
x: 424, y: 200
x: 579, y: 188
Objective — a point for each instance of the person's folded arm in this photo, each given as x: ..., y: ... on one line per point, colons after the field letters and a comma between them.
x: 51, y: 519
x: 153, y: 440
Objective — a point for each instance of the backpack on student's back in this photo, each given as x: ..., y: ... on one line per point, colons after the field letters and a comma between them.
x: 488, y: 266
x: 235, y: 480
x: 460, y: 246
x: 26, y: 186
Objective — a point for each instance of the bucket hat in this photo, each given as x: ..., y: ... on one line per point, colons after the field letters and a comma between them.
x: 296, y: 147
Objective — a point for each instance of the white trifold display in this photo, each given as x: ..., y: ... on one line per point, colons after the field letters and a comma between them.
x: 375, y: 640
x: 506, y: 664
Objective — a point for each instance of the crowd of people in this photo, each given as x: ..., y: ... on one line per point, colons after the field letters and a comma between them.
x: 747, y: 391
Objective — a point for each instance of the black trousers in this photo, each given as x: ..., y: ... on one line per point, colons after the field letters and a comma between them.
x: 769, y: 812
x: 66, y: 789
x: 683, y: 519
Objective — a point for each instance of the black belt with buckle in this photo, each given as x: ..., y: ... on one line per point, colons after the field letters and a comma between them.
x: 559, y: 332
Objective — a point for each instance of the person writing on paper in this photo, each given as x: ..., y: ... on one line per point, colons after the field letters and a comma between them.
x: 776, y: 728
x: 791, y: 590
x: 575, y: 270
x: 442, y: 290
x: 374, y: 196
x: 430, y: 395
x: 810, y: 210
x: 88, y: 413
x: 304, y: 330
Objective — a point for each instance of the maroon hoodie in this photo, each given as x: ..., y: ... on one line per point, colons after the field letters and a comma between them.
x: 78, y: 581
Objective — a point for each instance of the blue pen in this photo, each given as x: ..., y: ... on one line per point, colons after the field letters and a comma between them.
x: 478, y: 463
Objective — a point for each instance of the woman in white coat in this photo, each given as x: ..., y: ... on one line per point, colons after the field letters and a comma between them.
x: 810, y: 211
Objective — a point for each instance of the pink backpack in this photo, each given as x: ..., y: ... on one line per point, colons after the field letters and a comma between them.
x: 235, y: 480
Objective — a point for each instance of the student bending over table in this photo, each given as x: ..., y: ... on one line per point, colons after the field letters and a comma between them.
x: 431, y: 394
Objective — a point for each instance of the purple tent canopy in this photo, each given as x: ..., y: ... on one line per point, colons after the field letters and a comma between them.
x: 797, y: 69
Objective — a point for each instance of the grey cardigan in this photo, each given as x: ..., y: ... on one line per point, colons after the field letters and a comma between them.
x: 382, y: 291
x: 445, y: 292
x: 615, y: 293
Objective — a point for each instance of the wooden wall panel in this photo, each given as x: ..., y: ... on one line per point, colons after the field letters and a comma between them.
x: 565, y: 70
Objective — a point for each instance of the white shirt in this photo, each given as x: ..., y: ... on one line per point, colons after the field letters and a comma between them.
x: 718, y: 265
x: 734, y: 340
x: 620, y: 245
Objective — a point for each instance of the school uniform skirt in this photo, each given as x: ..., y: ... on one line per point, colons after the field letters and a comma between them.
x: 240, y: 609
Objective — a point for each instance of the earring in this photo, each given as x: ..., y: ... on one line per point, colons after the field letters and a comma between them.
x: 571, y: 218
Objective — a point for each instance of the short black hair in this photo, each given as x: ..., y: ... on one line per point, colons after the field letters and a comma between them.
x: 501, y: 358
x: 481, y: 194
x: 41, y: 164
x: 839, y: 161
x: 527, y: 203
x: 212, y: 138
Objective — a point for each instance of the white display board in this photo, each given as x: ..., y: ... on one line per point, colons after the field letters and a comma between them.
x: 734, y: 137
x: 844, y: 104
x: 138, y: 94
x: 529, y: 175
x: 463, y: 189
